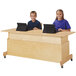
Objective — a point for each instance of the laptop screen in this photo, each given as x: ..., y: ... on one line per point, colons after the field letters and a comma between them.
x: 49, y: 28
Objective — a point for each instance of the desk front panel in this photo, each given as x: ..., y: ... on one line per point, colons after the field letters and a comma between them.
x: 36, y: 50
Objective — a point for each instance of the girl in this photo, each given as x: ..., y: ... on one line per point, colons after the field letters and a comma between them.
x: 60, y: 23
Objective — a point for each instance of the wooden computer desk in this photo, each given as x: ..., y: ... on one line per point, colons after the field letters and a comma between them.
x: 38, y: 45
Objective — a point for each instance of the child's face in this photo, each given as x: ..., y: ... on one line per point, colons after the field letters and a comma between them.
x: 33, y: 16
x: 59, y: 15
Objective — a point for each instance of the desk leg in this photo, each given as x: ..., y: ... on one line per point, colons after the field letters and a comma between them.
x: 66, y: 59
x: 4, y: 54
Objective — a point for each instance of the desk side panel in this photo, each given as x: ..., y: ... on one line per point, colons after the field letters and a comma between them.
x: 65, y: 50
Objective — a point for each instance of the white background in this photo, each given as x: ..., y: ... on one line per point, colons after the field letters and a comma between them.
x: 13, y: 11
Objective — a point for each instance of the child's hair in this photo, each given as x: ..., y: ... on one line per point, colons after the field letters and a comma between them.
x: 62, y: 13
x: 33, y: 12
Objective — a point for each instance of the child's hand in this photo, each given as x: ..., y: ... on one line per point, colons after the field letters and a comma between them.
x: 59, y: 29
x: 35, y: 28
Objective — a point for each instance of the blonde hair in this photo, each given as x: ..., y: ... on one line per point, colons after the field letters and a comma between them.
x: 33, y: 12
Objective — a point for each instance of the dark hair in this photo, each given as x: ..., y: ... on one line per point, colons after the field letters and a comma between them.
x: 33, y: 12
x: 62, y: 13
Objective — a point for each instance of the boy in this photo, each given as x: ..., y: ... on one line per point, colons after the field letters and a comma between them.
x: 34, y: 24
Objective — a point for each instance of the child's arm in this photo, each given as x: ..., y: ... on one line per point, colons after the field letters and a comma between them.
x: 63, y: 29
x: 35, y: 28
x: 66, y: 30
x: 67, y: 27
x: 38, y: 27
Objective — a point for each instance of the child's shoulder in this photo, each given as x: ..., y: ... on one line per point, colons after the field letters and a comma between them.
x: 29, y: 21
x: 65, y: 20
x: 37, y: 21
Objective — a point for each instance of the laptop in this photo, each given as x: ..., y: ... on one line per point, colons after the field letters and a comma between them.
x: 49, y: 28
x: 21, y: 27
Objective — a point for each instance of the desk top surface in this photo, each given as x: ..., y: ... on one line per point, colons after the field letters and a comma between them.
x: 38, y: 33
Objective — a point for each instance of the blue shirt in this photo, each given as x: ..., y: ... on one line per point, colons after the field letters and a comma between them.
x: 36, y: 24
x: 63, y: 24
